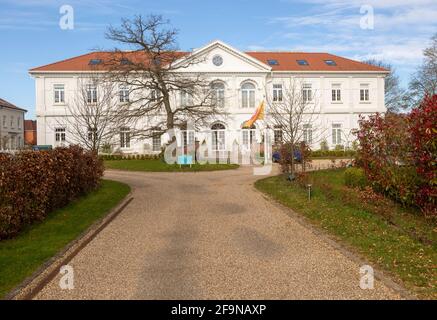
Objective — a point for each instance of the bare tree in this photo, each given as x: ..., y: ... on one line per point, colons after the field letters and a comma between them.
x: 294, y: 112
x: 155, y: 73
x: 392, y: 89
x: 424, y: 81
x: 91, y: 115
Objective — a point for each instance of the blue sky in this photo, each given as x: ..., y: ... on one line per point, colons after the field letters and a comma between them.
x: 30, y: 34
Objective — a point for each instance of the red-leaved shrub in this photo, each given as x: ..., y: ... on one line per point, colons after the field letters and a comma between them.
x: 34, y: 183
x: 399, y: 154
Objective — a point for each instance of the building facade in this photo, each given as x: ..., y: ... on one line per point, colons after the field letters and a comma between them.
x: 11, y: 126
x: 30, y: 132
x: 340, y: 89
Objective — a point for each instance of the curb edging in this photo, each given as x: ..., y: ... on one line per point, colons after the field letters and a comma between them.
x: 32, y: 285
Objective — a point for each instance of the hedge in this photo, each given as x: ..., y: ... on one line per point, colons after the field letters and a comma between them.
x: 33, y: 183
x: 109, y: 157
x: 332, y: 153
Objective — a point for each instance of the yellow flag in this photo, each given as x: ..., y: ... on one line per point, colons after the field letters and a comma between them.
x: 258, y: 115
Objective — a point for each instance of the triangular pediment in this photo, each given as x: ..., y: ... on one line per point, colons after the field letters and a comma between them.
x: 220, y: 57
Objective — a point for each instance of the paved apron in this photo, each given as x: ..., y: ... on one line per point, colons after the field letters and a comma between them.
x: 208, y: 235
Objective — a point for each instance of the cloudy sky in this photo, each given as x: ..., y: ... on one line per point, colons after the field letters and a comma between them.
x: 31, y: 36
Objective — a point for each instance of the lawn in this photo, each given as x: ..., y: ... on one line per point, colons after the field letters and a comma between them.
x: 399, y: 241
x: 161, y: 166
x: 24, y: 254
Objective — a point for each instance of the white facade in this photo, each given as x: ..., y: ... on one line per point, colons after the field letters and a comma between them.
x: 11, y: 128
x: 361, y: 93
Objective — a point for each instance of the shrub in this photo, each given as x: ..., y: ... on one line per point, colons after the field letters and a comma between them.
x: 355, y: 177
x: 398, y: 154
x: 34, y: 183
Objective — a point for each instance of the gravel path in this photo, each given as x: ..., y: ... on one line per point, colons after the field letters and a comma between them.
x: 208, y: 235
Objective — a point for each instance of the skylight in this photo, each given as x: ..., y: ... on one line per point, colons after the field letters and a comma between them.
x: 330, y: 62
x: 94, y: 62
x: 302, y: 62
x: 273, y: 62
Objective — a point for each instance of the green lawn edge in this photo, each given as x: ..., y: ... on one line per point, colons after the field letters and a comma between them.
x: 21, y: 256
x: 161, y: 166
x: 407, y: 260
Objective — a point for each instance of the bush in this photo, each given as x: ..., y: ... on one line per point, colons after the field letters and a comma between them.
x: 398, y: 154
x: 34, y: 183
x: 355, y: 177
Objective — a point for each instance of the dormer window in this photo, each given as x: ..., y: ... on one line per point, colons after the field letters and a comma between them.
x: 330, y: 62
x: 302, y: 62
x: 272, y: 62
x: 94, y: 62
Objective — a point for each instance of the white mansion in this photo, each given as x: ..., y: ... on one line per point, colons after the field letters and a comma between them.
x: 344, y: 88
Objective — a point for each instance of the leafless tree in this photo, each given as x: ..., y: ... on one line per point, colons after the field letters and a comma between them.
x: 160, y: 87
x: 393, y: 91
x: 424, y: 81
x: 91, y: 114
x: 295, y: 113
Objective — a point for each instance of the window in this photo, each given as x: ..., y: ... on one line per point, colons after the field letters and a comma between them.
x: 186, y: 99
x: 155, y: 95
x: 156, y: 143
x: 125, y: 137
x: 187, y: 137
x: 336, y: 93
x: 125, y: 61
x: 12, y: 122
x: 19, y: 123
x: 218, y: 137
x: 248, y: 95
x: 307, y: 134
x: 248, y: 136
x: 60, y: 135
x: 336, y: 133
x: 272, y: 62
x: 92, y: 134
x: 91, y: 93
x: 124, y: 94
x: 277, y: 92
x: 218, y: 94
x: 277, y: 135
x: 307, y: 94
x: 59, y: 93
x: 4, y: 121
x: 19, y: 143
x: 94, y: 62
x: 330, y: 62
x: 364, y: 92
x: 302, y: 62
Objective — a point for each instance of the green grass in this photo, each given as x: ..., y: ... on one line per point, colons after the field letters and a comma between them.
x: 400, y: 242
x: 161, y: 166
x: 24, y: 254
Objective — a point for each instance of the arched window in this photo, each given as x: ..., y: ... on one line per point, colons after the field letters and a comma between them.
x: 218, y: 137
x: 218, y: 94
x: 248, y: 95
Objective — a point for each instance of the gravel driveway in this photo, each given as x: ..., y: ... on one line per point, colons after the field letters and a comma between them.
x: 209, y: 235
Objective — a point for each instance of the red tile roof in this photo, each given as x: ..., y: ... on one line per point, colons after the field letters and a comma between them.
x: 6, y: 104
x: 287, y: 61
x: 29, y: 125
